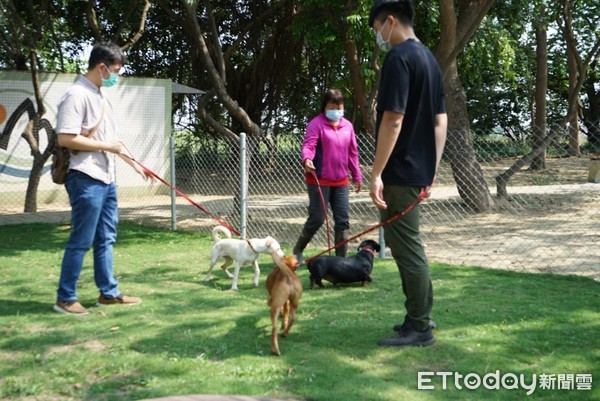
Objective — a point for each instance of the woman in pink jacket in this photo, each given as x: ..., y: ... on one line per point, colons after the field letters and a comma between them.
x: 330, y: 150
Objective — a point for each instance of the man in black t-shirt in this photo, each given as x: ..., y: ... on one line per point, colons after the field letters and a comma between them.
x: 410, y: 136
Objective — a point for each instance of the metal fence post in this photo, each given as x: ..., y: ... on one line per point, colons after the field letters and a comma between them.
x: 173, y: 184
x: 243, y: 186
x: 381, y: 243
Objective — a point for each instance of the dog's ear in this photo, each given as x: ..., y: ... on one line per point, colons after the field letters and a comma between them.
x: 269, y: 241
x: 375, y: 245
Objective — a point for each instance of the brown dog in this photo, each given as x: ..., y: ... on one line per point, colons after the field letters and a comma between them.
x: 285, y: 290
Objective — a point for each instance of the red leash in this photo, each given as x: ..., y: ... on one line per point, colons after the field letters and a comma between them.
x: 324, y: 211
x: 410, y: 207
x: 184, y: 196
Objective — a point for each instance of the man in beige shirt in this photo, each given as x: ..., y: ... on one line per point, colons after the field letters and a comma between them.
x: 86, y: 126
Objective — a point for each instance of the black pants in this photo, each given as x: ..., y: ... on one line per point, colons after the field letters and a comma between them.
x: 337, y: 198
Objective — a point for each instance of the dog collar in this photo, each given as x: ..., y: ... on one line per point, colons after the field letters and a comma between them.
x: 251, y: 247
x: 368, y: 249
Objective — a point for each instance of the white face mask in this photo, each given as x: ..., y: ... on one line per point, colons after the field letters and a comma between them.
x: 384, y: 45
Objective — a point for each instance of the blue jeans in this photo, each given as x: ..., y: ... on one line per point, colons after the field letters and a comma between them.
x: 94, y: 217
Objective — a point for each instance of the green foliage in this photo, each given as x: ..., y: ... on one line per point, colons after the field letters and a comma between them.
x: 496, y: 148
x: 194, y: 337
x: 280, y: 57
x: 426, y: 21
x: 591, y: 148
x: 497, y: 73
x: 190, y: 149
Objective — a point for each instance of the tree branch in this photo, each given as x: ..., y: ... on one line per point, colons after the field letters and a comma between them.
x: 137, y: 36
x: 215, y: 39
x: 90, y: 15
x: 211, y: 122
x: 462, y: 28
x: 41, y: 109
x: 230, y: 104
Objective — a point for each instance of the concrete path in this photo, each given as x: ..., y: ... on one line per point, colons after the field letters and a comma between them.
x: 49, y: 217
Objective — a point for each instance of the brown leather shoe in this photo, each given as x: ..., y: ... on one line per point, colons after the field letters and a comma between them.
x: 70, y: 308
x: 121, y: 300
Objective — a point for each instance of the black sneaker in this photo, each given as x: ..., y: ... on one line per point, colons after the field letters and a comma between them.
x: 400, y: 326
x: 409, y: 337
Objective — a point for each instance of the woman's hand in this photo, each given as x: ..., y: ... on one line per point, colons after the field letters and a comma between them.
x: 308, y: 166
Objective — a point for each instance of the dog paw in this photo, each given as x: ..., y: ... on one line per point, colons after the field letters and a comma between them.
x: 207, y: 278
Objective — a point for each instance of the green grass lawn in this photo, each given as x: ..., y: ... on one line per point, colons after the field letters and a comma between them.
x: 192, y: 337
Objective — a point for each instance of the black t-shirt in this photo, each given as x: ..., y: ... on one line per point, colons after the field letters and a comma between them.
x: 411, y: 84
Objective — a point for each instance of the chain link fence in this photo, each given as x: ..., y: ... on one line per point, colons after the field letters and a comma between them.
x: 549, y: 220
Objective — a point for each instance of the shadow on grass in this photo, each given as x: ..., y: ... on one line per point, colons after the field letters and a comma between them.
x: 12, y: 307
x: 17, y: 239
x: 487, y: 320
x: 520, y: 314
x: 480, y: 310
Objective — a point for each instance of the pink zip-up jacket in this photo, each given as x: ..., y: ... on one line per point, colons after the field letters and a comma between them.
x: 332, y: 149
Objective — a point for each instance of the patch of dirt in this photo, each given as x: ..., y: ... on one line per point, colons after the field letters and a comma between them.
x: 92, y: 345
x: 559, y: 171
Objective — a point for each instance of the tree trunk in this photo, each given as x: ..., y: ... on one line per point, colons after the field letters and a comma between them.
x: 541, y: 87
x: 32, y: 136
x: 503, y: 178
x: 457, y: 26
x: 33, y: 184
x: 592, y: 113
x: 574, y: 123
x: 459, y: 147
x: 564, y: 23
x: 360, y: 96
x: 577, y: 67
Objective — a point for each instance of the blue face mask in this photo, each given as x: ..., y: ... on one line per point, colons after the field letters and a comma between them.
x: 334, y: 115
x: 112, y: 79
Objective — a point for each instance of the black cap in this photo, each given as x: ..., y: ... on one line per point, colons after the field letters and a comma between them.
x: 376, y: 7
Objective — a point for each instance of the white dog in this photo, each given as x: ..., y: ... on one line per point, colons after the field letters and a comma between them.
x: 242, y: 252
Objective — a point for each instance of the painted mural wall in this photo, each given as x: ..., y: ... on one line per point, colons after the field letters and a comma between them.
x: 142, y: 107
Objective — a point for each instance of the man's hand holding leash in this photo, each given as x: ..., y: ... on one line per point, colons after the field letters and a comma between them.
x: 119, y: 148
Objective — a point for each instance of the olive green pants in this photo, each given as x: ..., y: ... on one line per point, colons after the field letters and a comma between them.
x: 403, y: 238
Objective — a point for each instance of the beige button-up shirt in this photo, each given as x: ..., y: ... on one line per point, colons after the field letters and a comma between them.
x: 83, y: 107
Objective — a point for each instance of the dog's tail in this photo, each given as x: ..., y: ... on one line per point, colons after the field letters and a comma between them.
x: 219, y: 231
x: 280, y: 263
